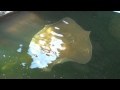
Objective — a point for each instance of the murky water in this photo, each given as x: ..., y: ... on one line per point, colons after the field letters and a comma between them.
x: 17, y: 30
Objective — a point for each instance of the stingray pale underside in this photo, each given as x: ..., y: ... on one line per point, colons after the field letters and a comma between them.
x: 60, y: 42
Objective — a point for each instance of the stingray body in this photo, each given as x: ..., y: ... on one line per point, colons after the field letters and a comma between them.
x: 60, y: 42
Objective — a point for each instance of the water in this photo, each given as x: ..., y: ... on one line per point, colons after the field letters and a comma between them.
x: 18, y: 29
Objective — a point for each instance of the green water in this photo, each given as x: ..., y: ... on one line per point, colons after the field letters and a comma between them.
x: 20, y: 27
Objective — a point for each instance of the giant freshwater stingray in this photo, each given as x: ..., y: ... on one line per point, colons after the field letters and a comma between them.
x: 60, y: 42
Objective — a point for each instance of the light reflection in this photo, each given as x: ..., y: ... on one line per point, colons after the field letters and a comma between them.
x: 117, y: 11
x: 20, y: 49
x: 3, y: 55
x: 23, y: 64
x: 45, y: 53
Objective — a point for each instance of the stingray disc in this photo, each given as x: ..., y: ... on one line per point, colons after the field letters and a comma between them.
x: 60, y: 42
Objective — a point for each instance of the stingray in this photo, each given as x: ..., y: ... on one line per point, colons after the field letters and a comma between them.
x: 60, y: 42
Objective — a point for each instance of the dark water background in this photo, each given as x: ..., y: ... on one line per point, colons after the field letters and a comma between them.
x: 20, y: 27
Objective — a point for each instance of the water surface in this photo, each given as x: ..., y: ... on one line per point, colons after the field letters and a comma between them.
x: 16, y: 31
